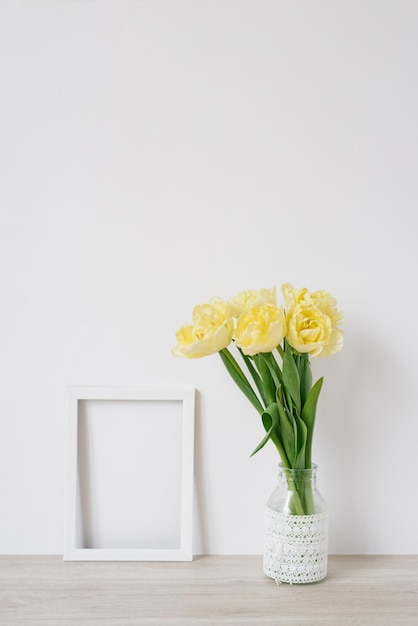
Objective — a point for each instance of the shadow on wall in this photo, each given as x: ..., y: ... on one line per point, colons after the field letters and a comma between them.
x: 364, y: 392
x: 358, y: 445
x: 200, y: 505
x: 84, y: 511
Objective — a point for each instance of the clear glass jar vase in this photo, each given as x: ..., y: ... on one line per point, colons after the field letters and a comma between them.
x: 296, y: 529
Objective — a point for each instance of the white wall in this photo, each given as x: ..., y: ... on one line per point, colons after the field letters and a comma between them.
x: 156, y: 153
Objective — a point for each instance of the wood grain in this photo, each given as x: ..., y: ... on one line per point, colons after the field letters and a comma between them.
x: 359, y: 590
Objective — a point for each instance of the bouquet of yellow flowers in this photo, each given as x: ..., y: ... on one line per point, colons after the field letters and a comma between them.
x: 274, y: 345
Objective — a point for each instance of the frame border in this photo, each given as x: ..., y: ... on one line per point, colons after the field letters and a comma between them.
x: 184, y: 394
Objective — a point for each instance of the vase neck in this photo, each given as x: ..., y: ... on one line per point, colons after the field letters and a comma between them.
x: 306, y: 476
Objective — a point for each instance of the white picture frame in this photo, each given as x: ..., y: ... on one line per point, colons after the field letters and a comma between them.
x: 78, y: 396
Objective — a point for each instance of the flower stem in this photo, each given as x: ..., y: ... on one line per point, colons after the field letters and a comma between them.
x: 309, y: 502
x: 295, y: 503
x: 300, y: 499
x: 241, y: 380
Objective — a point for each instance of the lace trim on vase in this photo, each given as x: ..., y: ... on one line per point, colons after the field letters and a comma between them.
x: 295, y: 547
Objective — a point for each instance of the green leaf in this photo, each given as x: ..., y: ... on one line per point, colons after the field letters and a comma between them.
x: 276, y: 439
x: 291, y: 378
x: 279, y: 394
x: 256, y: 377
x: 305, y: 378
x: 240, y: 379
x: 308, y: 416
x: 302, y: 434
x: 287, y: 400
x: 270, y: 418
x: 287, y: 433
x: 309, y: 408
x: 268, y: 382
x: 273, y: 366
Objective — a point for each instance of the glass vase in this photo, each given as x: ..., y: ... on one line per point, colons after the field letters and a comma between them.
x: 296, y: 529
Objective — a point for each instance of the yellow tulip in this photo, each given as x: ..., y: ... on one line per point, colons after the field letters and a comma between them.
x: 260, y: 329
x: 251, y: 299
x: 312, y: 321
x: 210, y: 332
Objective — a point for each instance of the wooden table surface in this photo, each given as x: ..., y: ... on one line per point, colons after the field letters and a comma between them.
x: 359, y: 590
